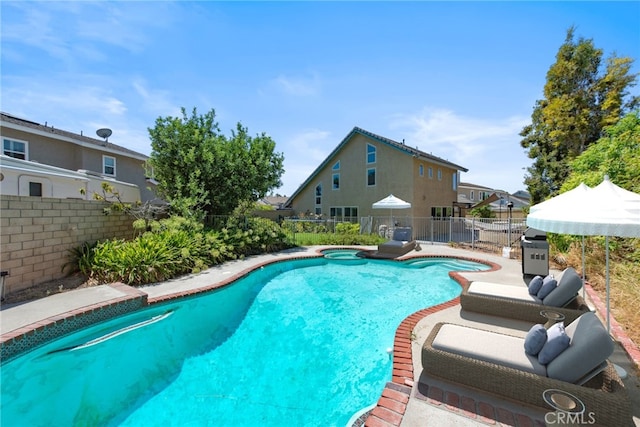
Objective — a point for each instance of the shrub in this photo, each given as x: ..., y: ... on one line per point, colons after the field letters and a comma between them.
x: 178, y: 245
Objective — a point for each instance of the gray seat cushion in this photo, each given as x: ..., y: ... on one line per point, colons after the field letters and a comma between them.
x: 590, y: 346
x: 567, y: 289
x: 402, y: 234
x: 504, y: 350
x: 499, y: 290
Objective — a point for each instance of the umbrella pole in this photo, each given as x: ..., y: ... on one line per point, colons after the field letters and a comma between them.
x: 584, y: 273
x: 606, y: 242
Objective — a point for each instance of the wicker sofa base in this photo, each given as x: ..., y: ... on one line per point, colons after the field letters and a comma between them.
x: 519, y: 310
x: 604, y: 395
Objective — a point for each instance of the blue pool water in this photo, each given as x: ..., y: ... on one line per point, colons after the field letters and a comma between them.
x: 300, y: 343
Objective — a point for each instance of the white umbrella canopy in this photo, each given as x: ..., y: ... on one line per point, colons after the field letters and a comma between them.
x: 562, y: 201
x: 391, y: 202
x: 605, y: 210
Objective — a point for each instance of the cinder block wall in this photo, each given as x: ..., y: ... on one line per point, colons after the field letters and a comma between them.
x: 36, y: 234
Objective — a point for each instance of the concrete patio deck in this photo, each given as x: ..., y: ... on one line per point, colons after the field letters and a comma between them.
x: 419, y: 401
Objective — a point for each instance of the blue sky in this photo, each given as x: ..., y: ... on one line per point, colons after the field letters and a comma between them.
x: 455, y: 79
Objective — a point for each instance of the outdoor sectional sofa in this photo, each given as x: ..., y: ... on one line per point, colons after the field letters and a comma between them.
x: 497, y: 363
x: 515, y: 302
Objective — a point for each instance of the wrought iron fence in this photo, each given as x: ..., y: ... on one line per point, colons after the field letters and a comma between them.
x: 490, y: 233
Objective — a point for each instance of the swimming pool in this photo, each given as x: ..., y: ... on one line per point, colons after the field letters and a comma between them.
x: 300, y: 342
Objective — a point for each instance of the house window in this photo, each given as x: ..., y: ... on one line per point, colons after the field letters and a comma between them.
x: 371, y: 153
x: 421, y: 170
x: 472, y: 195
x: 351, y: 212
x: 336, y: 167
x: 344, y: 213
x: 430, y: 172
x: 35, y: 189
x: 318, y: 199
x: 371, y: 177
x: 14, y: 148
x: 439, y: 175
x: 109, y: 165
x: 336, y: 181
x: 441, y: 211
x: 454, y: 177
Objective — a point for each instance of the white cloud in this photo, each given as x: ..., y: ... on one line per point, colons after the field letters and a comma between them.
x: 298, y: 86
x: 490, y: 149
x: 155, y: 101
x: 464, y: 138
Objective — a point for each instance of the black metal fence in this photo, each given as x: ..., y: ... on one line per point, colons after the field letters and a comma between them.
x: 481, y: 232
x: 488, y: 233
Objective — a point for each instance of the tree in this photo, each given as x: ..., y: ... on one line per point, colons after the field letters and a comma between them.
x: 578, y: 104
x: 199, y: 170
x: 617, y: 154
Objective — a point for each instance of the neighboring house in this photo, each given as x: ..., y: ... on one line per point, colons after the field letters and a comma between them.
x: 277, y: 202
x: 30, y: 141
x: 469, y: 195
x: 365, y: 168
x: 24, y: 178
x: 522, y: 195
x: 474, y: 196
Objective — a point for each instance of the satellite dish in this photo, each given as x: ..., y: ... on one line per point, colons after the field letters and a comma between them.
x: 104, y: 133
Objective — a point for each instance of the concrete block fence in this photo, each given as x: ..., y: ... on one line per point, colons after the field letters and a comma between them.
x: 36, y: 234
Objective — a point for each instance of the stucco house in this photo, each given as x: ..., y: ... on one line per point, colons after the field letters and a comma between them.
x: 365, y: 168
x: 43, y: 144
x: 473, y: 196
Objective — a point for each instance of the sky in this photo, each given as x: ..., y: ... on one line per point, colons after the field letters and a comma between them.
x: 455, y: 79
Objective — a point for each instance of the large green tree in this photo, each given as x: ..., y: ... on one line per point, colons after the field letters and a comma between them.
x: 200, y: 170
x: 616, y: 154
x: 579, y: 102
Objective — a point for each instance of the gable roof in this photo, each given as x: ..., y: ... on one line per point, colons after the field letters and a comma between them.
x: 474, y: 186
x: 389, y: 142
x: 17, y: 123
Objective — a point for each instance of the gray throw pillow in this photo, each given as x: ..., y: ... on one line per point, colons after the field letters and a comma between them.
x: 535, y: 340
x: 557, y: 342
x: 534, y: 285
x: 548, y: 285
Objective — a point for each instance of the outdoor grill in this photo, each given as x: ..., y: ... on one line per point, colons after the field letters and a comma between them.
x: 535, y: 253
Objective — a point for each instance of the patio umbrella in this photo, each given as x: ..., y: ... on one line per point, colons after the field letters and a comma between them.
x: 605, y: 210
x: 557, y: 205
x: 391, y: 202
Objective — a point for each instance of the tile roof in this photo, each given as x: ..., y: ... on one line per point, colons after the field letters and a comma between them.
x: 395, y: 144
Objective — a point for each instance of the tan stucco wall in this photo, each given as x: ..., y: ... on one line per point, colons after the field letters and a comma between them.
x: 36, y: 234
x: 397, y: 173
x: 432, y: 192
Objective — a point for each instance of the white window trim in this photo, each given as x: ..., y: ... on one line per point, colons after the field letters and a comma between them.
x: 26, y: 145
x: 421, y: 170
x: 439, y: 174
x: 104, y: 165
x: 375, y: 154
x: 332, y: 181
x: 430, y: 172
